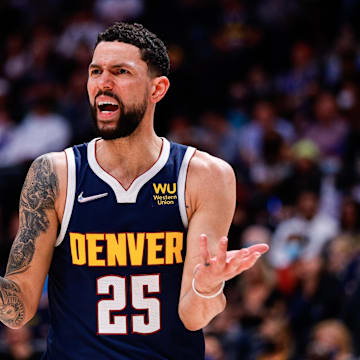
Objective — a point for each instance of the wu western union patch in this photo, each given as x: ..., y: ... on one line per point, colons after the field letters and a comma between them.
x: 165, y: 193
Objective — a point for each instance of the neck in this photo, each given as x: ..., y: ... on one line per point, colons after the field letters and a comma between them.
x: 129, y: 157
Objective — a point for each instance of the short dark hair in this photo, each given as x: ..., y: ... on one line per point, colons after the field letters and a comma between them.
x: 153, y: 50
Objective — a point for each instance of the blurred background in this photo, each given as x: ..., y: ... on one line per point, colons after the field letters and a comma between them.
x: 272, y: 87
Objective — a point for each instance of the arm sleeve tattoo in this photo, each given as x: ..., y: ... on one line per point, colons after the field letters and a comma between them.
x: 11, y: 308
x: 38, y: 195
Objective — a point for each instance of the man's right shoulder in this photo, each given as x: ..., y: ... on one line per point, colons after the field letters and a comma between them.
x: 57, y: 160
x: 53, y: 167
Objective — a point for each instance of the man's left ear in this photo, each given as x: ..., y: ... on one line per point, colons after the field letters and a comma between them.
x: 159, y: 88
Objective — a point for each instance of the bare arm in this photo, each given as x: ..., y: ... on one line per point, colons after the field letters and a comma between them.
x: 210, y: 196
x: 31, y: 252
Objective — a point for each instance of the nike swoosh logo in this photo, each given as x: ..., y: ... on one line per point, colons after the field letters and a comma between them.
x: 83, y: 199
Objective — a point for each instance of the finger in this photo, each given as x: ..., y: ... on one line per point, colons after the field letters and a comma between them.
x: 237, y: 254
x: 221, y: 255
x: 260, y: 248
x: 252, y: 260
x: 240, y: 264
x: 204, y: 252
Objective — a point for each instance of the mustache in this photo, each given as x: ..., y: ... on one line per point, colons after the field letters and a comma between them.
x: 108, y: 93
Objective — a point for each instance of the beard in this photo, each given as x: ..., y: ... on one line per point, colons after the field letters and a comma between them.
x: 129, y: 119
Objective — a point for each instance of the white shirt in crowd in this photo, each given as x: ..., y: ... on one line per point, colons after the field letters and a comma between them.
x: 301, y: 237
x: 36, y: 135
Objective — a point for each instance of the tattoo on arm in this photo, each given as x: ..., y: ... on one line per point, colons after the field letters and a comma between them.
x: 38, y: 195
x: 11, y: 307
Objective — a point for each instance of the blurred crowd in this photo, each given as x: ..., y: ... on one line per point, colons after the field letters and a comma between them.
x: 272, y: 87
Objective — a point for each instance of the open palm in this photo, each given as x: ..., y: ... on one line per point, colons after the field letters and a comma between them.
x: 212, y: 271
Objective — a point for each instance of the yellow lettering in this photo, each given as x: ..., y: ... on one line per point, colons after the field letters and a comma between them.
x: 78, y: 251
x: 160, y: 187
x: 162, y: 248
x: 173, y: 191
x: 136, y: 248
x: 174, y: 245
x: 154, y: 247
x: 94, y: 249
x: 116, y: 249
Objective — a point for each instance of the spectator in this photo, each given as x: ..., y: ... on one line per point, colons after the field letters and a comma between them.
x: 330, y: 340
x: 81, y: 29
x: 340, y: 253
x: 259, y: 84
x: 264, y: 120
x: 350, y: 217
x: 297, y: 84
x: 272, y: 168
x: 255, y: 234
x: 7, y: 123
x: 313, y: 299
x: 42, y: 130
x: 112, y: 10
x: 230, y: 336
x: 329, y: 130
x: 74, y: 106
x: 213, y: 348
x: 343, y: 61
x: 304, y: 173
x: 17, y: 58
x: 20, y: 345
x: 275, y: 341
x: 351, y: 314
x: 305, y: 234
x: 216, y: 136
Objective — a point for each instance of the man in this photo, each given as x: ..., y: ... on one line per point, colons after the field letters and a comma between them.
x: 107, y: 221
x: 305, y: 234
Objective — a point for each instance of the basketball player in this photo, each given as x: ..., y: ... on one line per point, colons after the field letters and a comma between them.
x: 130, y: 227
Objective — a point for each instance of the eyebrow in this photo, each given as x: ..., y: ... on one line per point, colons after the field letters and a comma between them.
x: 94, y: 65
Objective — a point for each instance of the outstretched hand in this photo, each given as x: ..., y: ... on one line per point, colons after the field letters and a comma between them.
x: 212, y: 271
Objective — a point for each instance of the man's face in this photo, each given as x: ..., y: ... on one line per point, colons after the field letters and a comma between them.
x: 308, y: 204
x: 118, y: 88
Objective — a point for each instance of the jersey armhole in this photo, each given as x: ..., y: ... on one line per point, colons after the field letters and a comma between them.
x: 70, y: 194
x: 182, y: 182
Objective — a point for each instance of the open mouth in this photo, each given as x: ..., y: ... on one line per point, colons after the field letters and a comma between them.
x: 107, y: 107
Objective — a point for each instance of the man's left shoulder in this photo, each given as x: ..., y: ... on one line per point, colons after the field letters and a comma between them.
x: 205, y: 169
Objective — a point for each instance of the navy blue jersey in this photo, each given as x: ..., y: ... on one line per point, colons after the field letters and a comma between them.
x: 115, y: 276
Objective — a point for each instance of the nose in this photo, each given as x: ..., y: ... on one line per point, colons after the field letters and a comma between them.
x: 105, y: 81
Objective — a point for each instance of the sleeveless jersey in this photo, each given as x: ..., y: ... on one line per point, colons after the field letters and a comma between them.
x: 115, y: 276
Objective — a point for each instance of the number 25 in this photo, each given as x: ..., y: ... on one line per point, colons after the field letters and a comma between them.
x: 118, y: 326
